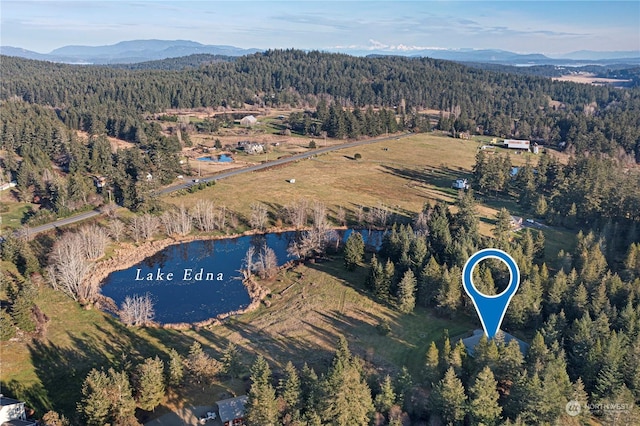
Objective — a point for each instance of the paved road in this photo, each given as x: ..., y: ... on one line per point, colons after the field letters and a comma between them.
x: 223, y: 175
x: 58, y: 223
x: 277, y: 162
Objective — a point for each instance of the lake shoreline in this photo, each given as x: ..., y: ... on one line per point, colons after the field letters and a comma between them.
x: 128, y: 254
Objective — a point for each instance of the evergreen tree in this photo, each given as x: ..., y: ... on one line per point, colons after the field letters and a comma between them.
x: 406, y: 292
x: 432, y: 363
x: 176, y: 371
x: 580, y: 395
x: 106, y: 398
x: 353, y: 251
x: 449, y: 294
x: 95, y: 405
x: 150, y: 383
x: 502, y: 230
x: 261, y: 409
x: 375, y: 277
x: 22, y: 307
x: 232, y: 361
x: 484, y: 407
x: 403, y: 388
x: 346, y: 395
x: 309, y: 390
x: 7, y: 328
x: 429, y: 282
x: 386, y: 398
x: 448, y: 399
x: 289, y: 389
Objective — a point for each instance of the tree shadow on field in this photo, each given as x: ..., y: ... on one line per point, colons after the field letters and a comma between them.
x: 275, y: 348
x: 63, y: 369
x: 439, y: 177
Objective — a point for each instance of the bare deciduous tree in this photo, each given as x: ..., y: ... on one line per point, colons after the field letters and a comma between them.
x: 296, y: 213
x: 259, y: 216
x: 312, y: 243
x: 137, y: 310
x: 116, y: 229
x: 204, y: 215
x: 69, y: 268
x: 94, y: 240
x: 267, y: 264
x: 248, y: 262
x: 176, y: 222
x: 378, y: 216
x: 360, y: 215
x: 143, y: 227
x: 421, y: 224
x: 319, y: 215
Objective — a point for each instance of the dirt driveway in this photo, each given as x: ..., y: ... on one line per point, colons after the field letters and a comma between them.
x: 185, y: 416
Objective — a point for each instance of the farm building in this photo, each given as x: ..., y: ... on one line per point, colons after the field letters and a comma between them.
x: 12, y: 413
x: 470, y: 343
x: 517, y: 144
x: 231, y: 410
x: 250, y: 147
x: 248, y: 121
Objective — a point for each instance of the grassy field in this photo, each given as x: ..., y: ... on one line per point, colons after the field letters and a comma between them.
x: 402, y: 174
x: 15, y: 211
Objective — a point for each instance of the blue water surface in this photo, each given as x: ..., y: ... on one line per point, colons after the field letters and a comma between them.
x: 189, y: 297
x: 222, y: 158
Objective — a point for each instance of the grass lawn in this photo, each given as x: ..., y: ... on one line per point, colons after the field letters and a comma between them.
x: 12, y: 218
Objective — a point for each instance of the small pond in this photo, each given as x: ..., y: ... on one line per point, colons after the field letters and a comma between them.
x: 198, y: 280
x: 222, y: 158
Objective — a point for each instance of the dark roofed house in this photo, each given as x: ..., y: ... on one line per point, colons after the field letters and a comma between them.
x: 470, y: 343
x: 12, y: 413
x: 231, y: 410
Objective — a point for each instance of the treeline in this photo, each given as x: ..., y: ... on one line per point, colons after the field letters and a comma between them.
x: 38, y: 147
x: 590, y: 192
x: 594, y: 119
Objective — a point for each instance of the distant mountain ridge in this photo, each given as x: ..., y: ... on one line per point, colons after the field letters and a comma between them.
x: 136, y: 51
x: 126, y: 52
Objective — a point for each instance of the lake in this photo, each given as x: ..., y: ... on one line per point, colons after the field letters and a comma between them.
x: 198, y: 280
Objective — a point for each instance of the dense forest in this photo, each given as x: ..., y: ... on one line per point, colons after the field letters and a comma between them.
x: 102, y: 99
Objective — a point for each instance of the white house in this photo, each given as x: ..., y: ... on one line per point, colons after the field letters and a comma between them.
x: 12, y: 413
x: 517, y: 144
x: 460, y: 184
x: 251, y: 147
x: 248, y: 121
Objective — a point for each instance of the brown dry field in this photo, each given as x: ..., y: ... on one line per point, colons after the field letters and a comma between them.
x: 587, y: 78
x: 401, y: 174
x: 116, y: 143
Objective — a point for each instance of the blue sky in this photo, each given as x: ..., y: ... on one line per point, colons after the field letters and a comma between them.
x: 549, y: 27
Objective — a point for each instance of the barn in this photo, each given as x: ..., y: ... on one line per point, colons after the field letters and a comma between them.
x: 517, y: 144
x: 248, y: 121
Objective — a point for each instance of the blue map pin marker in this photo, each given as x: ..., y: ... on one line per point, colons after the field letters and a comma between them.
x: 491, y: 309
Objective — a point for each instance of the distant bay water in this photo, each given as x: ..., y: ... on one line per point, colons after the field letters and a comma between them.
x: 199, y: 280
